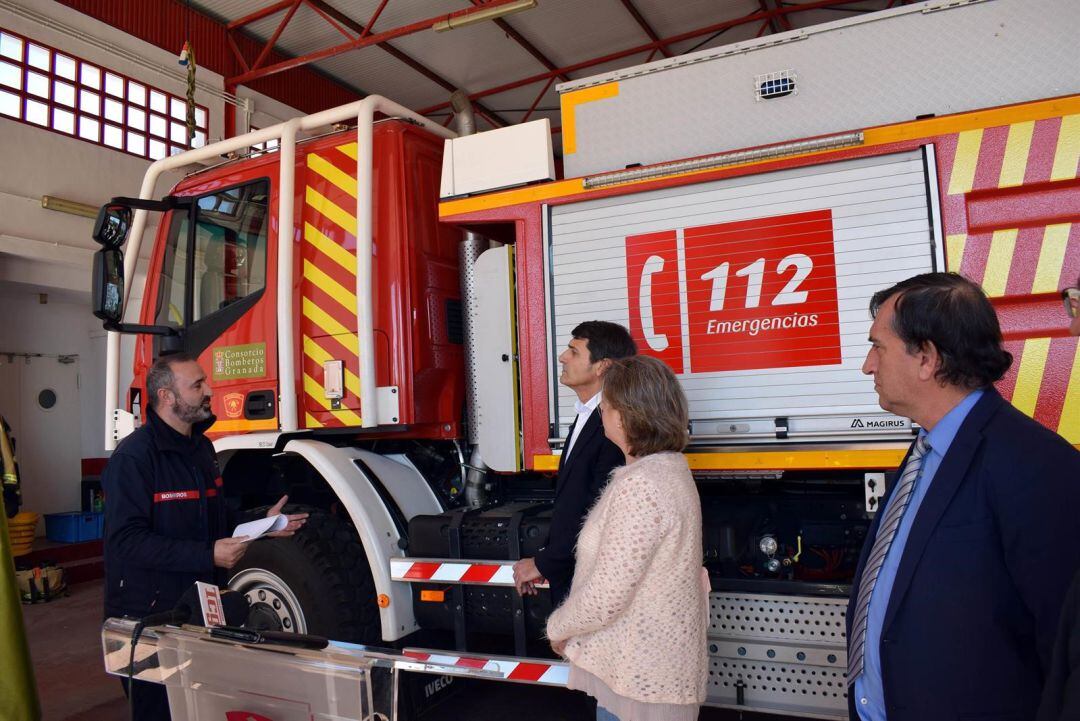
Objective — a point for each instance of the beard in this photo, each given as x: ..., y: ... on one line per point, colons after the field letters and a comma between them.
x: 189, y: 413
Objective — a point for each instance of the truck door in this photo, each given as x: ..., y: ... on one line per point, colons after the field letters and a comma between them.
x: 212, y: 285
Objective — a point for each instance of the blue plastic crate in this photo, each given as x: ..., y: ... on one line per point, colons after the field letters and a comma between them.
x: 74, y: 527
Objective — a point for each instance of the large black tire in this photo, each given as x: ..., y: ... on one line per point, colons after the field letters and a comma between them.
x: 316, y: 581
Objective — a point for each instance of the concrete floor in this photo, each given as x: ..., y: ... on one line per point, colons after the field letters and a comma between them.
x: 65, y: 645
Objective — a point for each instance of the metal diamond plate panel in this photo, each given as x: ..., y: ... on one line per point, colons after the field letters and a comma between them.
x: 784, y: 654
x: 809, y: 692
x: 801, y: 619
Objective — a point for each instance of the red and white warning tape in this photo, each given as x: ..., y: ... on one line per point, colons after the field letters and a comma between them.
x: 531, y: 670
x: 428, y: 570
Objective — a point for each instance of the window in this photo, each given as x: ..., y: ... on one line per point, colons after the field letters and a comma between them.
x: 230, y: 254
x: 52, y: 89
x: 258, y: 149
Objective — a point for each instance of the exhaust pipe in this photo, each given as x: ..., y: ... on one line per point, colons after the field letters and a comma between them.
x: 472, y: 245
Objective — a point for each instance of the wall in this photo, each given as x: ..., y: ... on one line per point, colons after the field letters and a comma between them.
x: 43, y: 251
x: 51, y: 443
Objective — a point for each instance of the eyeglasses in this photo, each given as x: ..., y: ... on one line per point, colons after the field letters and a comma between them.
x: 1071, y: 298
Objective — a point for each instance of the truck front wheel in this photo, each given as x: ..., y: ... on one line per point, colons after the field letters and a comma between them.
x: 316, y: 581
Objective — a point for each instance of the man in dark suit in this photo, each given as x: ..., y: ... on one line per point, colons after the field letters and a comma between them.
x: 956, y: 599
x: 587, y: 458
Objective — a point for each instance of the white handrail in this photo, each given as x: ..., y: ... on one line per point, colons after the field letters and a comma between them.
x: 363, y: 111
x: 286, y: 338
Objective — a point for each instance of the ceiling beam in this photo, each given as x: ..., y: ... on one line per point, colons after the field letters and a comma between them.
x: 646, y: 27
x: 237, y: 53
x: 772, y: 24
x: 784, y: 4
x: 532, y: 108
x: 785, y: 21
x: 265, y: 12
x: 375, y: 39
x: 326, y: 10
x: 710, y: 29
x: 318, y: 9
x: 373, y: 19
x: 277, y: 34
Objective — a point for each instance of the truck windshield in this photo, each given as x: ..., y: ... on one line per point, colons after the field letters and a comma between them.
x: 229, y: 255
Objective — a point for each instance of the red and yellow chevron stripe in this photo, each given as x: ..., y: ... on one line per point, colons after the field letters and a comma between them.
x: 1021, y: 268
x: 328, y: 285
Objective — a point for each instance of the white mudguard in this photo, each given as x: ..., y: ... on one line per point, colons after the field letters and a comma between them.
x: 374, y: 522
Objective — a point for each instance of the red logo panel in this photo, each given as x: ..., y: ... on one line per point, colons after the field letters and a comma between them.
x: 652, y: 275
x: 761, y: 293
x: 234, y: 404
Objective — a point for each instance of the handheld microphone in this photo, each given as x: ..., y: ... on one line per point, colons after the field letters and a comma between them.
x: 282, y: 638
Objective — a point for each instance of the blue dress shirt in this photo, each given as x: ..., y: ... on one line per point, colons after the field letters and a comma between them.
x: 869, y: 693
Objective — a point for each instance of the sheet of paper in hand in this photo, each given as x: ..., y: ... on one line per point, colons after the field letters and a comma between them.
x: 260, y: 527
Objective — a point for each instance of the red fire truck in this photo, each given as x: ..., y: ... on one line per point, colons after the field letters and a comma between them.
x: 381, y: 325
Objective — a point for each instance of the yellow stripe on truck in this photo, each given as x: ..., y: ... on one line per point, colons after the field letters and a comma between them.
x: 317, y: 353
x: 954, y: 248
x: 1068, y: 150
x: 330, y: 249
x: 318, y: 394
x: 1030, y: 374
x: 330, y: 210
x: 1051, y: 258
x: 328, y: 325
x: 348, y: 149
x: 339, y: 178
x: 775, y: 460
x: 967, y: 158
x: 242, y: 425
x: 999, y: 262
x: 345, y: 297
x: 570, y: 101
x: 1014, y: 163
x: 1069, y: 428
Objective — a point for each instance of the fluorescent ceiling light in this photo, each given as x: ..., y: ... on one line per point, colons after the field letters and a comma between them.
x: 482, y: 15
x: 51, y: 202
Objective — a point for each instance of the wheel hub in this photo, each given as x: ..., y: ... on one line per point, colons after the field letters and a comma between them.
x: 274, y: 606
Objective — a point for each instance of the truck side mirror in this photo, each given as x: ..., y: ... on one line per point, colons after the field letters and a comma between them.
x: 112, y: 225
x: 108, y: 290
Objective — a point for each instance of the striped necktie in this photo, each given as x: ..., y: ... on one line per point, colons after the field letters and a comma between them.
x: 886, y: 532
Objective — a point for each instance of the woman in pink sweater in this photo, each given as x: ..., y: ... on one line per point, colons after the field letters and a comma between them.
x: 633, y: 626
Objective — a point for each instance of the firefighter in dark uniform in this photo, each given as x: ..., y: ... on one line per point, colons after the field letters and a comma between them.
x: 165, y: 519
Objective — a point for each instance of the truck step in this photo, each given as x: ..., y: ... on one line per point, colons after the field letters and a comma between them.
x: 508, y: 668
x: 462, y: 571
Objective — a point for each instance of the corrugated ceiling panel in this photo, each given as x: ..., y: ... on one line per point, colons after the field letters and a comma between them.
x: 379, y: 73
x: 474, y: 57
x: 513, y: 104
x: 569, y: 31
x: 728, y: 36
x: 306, y: 31
x: 672, y: 18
